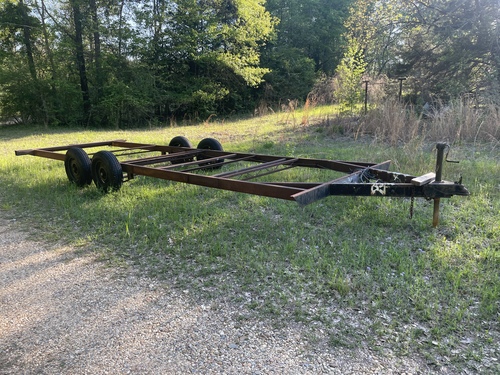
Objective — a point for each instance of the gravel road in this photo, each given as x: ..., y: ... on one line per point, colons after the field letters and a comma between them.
x: 62, y: 312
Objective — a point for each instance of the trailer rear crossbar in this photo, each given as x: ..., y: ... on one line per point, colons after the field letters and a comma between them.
x: 114, y: 162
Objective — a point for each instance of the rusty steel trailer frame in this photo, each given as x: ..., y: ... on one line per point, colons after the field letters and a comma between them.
x: 181, y: 164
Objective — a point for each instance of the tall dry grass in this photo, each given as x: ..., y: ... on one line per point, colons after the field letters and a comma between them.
x: 457, y: 122
x: 391, y: 122
x: 462, y: 121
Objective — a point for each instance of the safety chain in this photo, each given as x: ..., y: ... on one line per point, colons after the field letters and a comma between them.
x: 412, y: 201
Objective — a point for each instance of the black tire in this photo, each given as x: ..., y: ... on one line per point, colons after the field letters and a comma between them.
x: 181, y: 141
x: 77, y: 164
x: 106, y: 171
x: 210, y: 144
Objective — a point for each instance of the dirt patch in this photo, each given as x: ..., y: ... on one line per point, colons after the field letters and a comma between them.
x: 63, y: 312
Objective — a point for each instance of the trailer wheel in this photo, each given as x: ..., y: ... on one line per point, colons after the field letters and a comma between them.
x: 209, y: 144
x: 106, y: 171
x: 77, y: 164
x: 181, y: 141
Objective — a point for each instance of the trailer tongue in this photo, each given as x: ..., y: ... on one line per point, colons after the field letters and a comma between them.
x: 114, y: 162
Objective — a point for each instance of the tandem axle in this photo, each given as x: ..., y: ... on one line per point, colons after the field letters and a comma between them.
x: 117, y: 161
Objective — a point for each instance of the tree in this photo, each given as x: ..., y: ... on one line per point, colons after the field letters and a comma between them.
x: 292, y: 75
x: 122, y: 62
x: 80, y: 59
x: 376, y: 26
x: 315, y: 27
x: 446, y: 47
x: 21, y: 86
x: 454, y: 45
x: 349, y: 76
x: 208, y: 50
x: 308, y: 45
x: 27, y: 24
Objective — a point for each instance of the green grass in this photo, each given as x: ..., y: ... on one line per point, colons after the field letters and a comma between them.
x: 357, y: 268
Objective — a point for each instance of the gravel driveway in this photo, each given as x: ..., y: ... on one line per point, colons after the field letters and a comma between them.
x: 62, y: 312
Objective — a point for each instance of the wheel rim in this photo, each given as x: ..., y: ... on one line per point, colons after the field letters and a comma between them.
x: 102, y: 174
x: 74, y: 168
x: 77, y: 166
x: 106, y: 171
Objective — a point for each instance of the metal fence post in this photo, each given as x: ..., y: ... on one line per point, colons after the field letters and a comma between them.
x: 366, y: 96
x: 439, y: 173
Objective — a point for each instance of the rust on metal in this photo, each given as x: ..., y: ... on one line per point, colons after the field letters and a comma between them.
x: 202, y: 167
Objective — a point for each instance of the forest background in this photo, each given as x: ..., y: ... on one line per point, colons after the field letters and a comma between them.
x: 133, y: 63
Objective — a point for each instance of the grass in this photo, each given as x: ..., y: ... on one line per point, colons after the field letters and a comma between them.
x: 355, y: 271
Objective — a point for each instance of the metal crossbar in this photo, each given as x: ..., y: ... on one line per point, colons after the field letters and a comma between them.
x: 182, y: 164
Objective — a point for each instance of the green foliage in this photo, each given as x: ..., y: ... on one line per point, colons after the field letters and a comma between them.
x: 240, y: 38
x: 22, y: 93
x: 121, y: 106
x: 44, y: 101
x: 464, y: 57
x: 349, y: 74
x: 212, y: 50
x: 292, y: 75
x: 448, y: 48
x: 375, y: 25
x: 132, y: 63
x: 314, y: 27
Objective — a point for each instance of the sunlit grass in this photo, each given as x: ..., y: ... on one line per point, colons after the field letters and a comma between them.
x: 358, y: 269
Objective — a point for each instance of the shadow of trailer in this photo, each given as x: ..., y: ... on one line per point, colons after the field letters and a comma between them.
x: 113, y: 162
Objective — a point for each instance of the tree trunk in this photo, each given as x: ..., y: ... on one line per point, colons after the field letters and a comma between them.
x: 120, y: 28
x: 80, y: 61
x: 27, y: 40
x: 99, y: 79
x: 46, y: 44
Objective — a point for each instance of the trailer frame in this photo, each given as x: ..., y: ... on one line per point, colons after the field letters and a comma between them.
x: 118, y: 161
